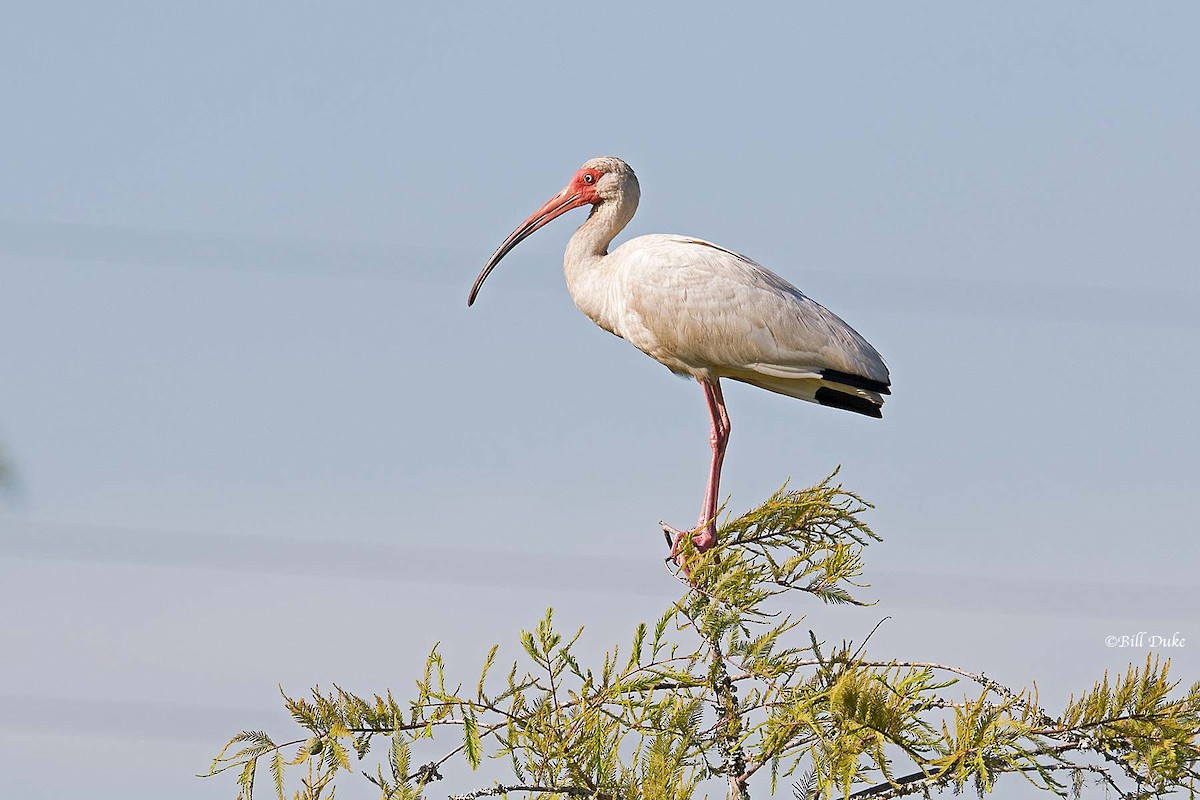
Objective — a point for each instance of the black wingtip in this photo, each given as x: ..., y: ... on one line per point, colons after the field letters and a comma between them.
x: 847, y: 402
x: 856, y: 381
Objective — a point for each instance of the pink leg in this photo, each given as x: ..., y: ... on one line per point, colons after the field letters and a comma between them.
x: 705, y: 534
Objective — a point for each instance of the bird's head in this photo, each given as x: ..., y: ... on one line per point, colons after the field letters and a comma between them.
x: 598, y: 182
x: 606, y: 178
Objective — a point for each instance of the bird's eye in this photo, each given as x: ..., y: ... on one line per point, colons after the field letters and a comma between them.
x: 589, y: 178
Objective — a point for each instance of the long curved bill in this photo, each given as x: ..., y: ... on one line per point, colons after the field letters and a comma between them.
x: 556, y: 206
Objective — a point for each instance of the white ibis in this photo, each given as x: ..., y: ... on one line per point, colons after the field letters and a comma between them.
x: 702, y: 312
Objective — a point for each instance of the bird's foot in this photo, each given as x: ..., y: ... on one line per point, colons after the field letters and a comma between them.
x: 703, y: 538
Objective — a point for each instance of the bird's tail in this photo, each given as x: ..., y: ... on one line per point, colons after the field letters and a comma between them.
x: 830, y: 389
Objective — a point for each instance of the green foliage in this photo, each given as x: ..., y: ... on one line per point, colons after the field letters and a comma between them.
x: 1136, y: 721
x: 724, y: 687
x: 6, y: 470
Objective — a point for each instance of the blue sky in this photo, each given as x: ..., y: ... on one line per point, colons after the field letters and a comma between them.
x: 244, y: 393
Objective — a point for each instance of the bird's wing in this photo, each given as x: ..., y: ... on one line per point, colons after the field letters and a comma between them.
x: 713, y: 308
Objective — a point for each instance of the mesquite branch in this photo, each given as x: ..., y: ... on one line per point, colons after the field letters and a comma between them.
x: 720, y: 689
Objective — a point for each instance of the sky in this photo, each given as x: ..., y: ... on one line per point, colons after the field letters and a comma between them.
x: 260, y: 440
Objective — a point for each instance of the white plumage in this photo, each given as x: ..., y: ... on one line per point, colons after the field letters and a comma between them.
x: 703, y: 311
x: 711, y: 313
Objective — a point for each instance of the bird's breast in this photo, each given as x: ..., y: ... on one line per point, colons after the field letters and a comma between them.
x: 593, y: 289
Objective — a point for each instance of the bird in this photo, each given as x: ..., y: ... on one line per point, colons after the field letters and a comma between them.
x: 704, y: 312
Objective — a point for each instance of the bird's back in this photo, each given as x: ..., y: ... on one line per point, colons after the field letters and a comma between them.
x: 706, y: 311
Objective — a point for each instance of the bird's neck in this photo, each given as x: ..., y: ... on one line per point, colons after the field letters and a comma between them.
x: 594, y: 236
x: 585, y: 264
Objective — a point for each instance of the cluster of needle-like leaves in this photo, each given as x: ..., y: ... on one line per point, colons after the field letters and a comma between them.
x: 724, y: 693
